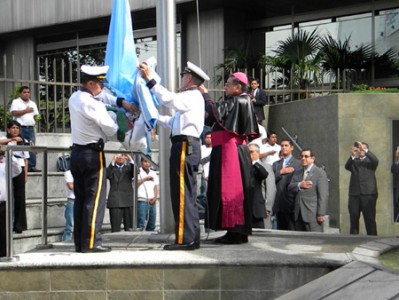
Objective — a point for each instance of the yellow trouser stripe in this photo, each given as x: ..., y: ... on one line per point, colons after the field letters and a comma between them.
x: 181, y: 200
x: 96, y: 201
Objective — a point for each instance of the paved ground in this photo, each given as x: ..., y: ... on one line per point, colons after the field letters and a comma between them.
x: 362, y: 277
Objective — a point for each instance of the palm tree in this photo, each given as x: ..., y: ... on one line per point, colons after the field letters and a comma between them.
x: 299, y: 56
x: 236, y: 58
x: 339, y: 58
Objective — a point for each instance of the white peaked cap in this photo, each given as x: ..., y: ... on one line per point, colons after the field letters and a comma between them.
x: 191, y: 68
x: 94, y: 70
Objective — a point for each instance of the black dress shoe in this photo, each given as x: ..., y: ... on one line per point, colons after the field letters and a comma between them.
x: 230, y: 238
x: 244, y: 238
x: 33, y: 169
x: 97, y: 249
x: 190, y: 246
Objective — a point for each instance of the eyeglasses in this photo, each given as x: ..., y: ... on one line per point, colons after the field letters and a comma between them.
x: 252, y: 151
x: 305, y: 156
x: 229, y: 84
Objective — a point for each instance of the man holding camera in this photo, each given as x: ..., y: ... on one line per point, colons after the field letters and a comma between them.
x: 120, y: 197
x: 363, y: 191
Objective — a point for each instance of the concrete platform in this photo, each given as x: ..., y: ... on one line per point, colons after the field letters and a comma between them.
x: 273, y: 265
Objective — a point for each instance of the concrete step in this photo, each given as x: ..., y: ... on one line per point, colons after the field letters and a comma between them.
x: 56, y: 187
x: 55, y: 213
x: 31, y: 240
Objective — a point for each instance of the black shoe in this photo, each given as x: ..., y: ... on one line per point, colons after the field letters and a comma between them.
x: 244, y: 238
x: 189, y: 246
x: 97, y: 249
x: 33, y: 169
x: 230, y: 238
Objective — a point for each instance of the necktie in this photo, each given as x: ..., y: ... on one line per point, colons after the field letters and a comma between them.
x: 305, y: 174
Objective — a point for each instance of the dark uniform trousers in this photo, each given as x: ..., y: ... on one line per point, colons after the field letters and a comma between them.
x: 88, y: 170
x: 20, y: 222
x: 184, y: 160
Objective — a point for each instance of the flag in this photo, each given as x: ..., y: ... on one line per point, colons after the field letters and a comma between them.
x: 123, y: 77
x: 121, y: 52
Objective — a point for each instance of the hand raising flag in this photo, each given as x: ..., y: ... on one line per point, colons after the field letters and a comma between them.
x: 123, y: 77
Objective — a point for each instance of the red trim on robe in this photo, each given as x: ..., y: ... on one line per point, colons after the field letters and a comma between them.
x: 232, y: 193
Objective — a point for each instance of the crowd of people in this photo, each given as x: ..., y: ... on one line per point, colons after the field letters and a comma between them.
x: 240, y: 177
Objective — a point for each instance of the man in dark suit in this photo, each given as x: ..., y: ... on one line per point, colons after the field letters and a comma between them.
x: 395, y: 172
x: 310, y: 184
x: 259, y: 99
x: 363, y: 191
x: 259, y: 201
x: 120, y: 196
x: 284, y: 203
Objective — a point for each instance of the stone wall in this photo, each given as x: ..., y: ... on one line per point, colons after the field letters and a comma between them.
x: 175, y: 282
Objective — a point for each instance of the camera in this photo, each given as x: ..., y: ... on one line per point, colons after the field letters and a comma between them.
x: 23, y: 143
x: 356, y: 144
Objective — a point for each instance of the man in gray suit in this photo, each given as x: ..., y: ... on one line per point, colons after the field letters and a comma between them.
x: 310, y: 184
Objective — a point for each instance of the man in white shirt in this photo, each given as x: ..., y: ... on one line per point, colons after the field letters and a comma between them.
x: 67, y: 236
x: 203, y: 173
x: 25, y: 111
x: 270, y: 152
x: 147, y: 194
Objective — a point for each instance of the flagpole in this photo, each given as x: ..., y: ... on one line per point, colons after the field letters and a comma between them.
x: 166, y: 40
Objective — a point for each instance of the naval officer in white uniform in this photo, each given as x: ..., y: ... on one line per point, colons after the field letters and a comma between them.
x: 91, y: 127
x: 186, y: 126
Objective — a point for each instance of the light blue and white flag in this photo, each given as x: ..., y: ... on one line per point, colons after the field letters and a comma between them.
x: 123, y: 77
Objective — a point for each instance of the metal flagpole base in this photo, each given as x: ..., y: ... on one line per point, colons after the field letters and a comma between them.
x: 44, y: 246
x: 9, y: 259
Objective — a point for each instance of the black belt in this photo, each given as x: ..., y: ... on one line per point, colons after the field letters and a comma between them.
x: 23, y: 126
x: 182, y: 138
x: 99, y: 146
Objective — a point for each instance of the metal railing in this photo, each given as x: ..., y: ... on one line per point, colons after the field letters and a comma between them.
x: 8, y: 149
x: 52, y: 81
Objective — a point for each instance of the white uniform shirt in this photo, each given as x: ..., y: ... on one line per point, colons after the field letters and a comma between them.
x: 263, y: 135
x: 19, y: 156
x: 28, y: 118
x: 15, y: 171
x: 107, y: 98
x: 3, y: 181
x: 190, y: 111
x: 270, y: 159
x: 90, y: 120
x: 145, y: 190
x: 69, y: 178
x: 205, y: 152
